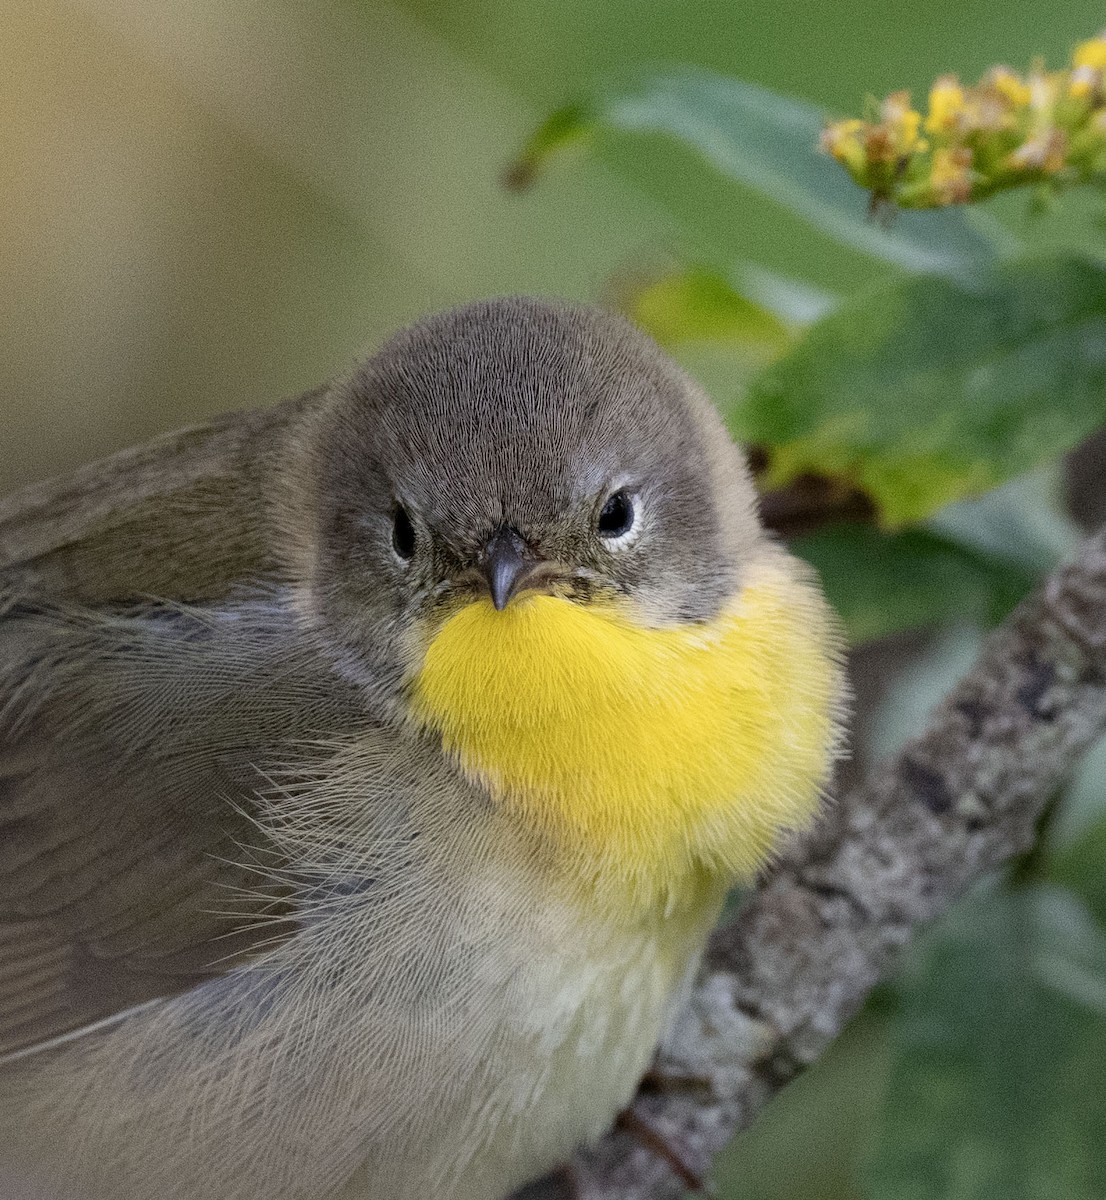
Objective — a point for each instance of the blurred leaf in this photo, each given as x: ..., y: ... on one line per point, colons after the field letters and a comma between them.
x: 1082, y: 867
x: 572, y: 125
x: 1077, y: 832
x: 1069, y: 950
x: 1023, y: 521
x: 807, y: 1144
x: 698, y: 305
x: 792, y: 300
x: 770, y: 143
x: 884, y: 582
x: 918, y: 672
x: 928, y: 390
x: 980, y: 1100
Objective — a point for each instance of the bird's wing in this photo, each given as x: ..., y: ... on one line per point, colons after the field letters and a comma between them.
x: 153, y: 520
x: 145, y: 695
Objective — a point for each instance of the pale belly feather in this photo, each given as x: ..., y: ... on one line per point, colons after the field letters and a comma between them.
x: 393, y: 1051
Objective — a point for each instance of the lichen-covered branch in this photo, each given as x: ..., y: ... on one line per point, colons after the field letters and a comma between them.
x: 959, y: 800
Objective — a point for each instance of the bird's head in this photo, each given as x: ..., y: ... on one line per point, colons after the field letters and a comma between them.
x: 518, y: 446
x: 530, y: 534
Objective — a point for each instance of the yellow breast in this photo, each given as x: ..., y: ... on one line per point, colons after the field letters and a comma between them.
x: 647, y: 752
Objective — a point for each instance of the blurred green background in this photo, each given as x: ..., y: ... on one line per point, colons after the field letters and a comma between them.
x: 210, y: 204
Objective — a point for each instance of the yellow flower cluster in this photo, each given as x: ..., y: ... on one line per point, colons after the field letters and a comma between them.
x: 1008, y: 130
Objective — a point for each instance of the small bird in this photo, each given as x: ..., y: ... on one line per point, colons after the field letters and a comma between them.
x: 374, y: 766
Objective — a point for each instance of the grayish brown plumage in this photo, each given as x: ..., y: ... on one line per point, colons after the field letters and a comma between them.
x: 210, y: 805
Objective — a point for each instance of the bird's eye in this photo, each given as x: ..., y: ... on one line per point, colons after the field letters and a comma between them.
x: 617, y: 517
x: 403, y: 533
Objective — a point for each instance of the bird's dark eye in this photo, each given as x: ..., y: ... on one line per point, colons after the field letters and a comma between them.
x: 617, y: 516
x: 403, y: 533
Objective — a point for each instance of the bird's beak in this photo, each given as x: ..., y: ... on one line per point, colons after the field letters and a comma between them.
x: 505, y: 565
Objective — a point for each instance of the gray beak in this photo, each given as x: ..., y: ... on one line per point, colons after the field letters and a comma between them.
x: 504, y: 566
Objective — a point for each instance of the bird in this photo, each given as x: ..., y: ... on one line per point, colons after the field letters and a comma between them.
x: 374, y: 766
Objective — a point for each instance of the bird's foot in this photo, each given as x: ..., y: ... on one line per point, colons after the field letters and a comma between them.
x: 657, y: 1079
x: 656, y: 1143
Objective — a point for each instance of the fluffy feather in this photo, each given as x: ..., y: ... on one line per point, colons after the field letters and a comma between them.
x: 649, y: 755
x: 318, y: 877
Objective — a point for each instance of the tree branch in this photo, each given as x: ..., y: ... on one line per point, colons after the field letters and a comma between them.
x: 961, y: 799
x: 811, y: 502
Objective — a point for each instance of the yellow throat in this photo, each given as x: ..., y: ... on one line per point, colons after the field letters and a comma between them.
x: 646, y: 753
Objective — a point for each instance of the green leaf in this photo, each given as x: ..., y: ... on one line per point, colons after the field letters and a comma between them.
x: 882, y: 583
x: 928, y: 390
x: 996, y: 1085
x: 1082, y: 867
x: 794, y: 301
x: 698, y: 305
x: 572, y: 125
x: 1069, y: 954
x: 1078, y: 828
x: 769, y: 143
x: 1024, y: 521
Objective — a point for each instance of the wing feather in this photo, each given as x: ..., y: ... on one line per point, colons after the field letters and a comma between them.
x: 153, y: 520
x: 151, y: 676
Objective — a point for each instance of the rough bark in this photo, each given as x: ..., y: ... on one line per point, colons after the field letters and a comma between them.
x: 826, y: 925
